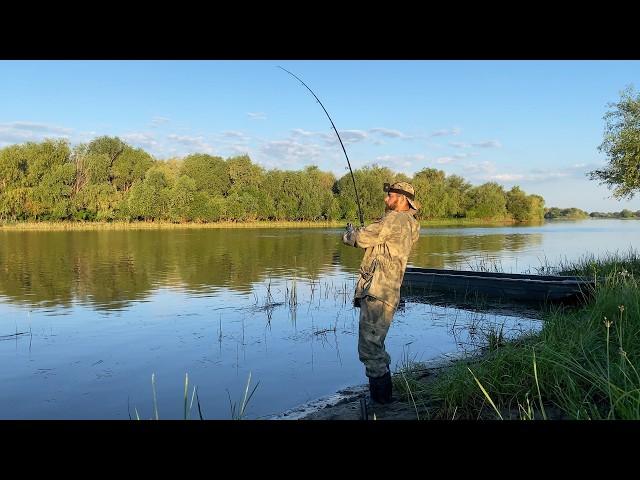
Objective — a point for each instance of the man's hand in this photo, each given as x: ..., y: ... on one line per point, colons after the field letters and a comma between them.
x: 348, y: 235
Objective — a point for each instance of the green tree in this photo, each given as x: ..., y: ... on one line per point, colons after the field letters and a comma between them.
x: 181, y: 199
x: 13, y: 167
x: 13, y: 203
x: 536, y: 207
x: 129, y: 166
x: 54, y: 192
x: 96, y: 201
x: 486, y: 201
x: 211, y: 174
x: 621, y: 145
x: 431, y: 192
x: 243, y: 174
x: 456, y: 188
x: 369, y: 181
x: 517, y: 204
x: 149, y: 199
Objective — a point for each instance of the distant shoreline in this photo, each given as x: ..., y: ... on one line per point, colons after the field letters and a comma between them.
x: 142, y: 225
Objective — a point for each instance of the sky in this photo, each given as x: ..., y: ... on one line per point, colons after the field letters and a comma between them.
x: 536, y: 124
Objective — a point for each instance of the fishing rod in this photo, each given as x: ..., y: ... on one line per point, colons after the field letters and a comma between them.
x: 341, y: 144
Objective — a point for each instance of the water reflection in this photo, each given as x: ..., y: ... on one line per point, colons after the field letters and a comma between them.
x: 110, y: 269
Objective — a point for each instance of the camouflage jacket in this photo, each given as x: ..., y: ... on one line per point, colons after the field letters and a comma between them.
x: 387, y: 245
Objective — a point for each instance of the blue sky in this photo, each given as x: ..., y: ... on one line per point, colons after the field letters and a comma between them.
x: 536, y: 124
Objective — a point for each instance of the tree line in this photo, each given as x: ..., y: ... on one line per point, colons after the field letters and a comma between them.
x: 576, y: 213
x: 107, y: 179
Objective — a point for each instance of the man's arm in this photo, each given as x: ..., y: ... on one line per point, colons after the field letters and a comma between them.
x: 365, y: 237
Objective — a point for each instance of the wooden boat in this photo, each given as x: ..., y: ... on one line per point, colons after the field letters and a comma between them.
x: 503, y: 286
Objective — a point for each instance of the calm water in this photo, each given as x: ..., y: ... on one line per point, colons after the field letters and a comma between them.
x: 87, y: 317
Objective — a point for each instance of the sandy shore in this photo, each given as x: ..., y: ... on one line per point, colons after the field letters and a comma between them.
x: 346, y: 404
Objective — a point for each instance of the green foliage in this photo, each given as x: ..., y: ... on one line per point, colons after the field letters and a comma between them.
x: 112, y: 147
x: 243, y: 174
x: 107, y: 179
x: 486, y: 201
x: 211, y: 174
x: 622, y: 214
x: 565, y: 213
x: 581, y: 365
x: 369, y: 181
x: 523, y: 207
x: 129, y: 166
x: 517, y: 204
x: 13, y: 167
x: 430, y: 187
x: 536, y: 207
x: 149, y: 199
x: 181, y: 199
x: 456, y: 188
x: 13, y: 203
x: 621, y: 145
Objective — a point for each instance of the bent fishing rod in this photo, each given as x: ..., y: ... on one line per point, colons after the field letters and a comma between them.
x: 341, y: 144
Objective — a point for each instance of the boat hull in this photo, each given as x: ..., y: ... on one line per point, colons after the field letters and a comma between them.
x: 504, y: 286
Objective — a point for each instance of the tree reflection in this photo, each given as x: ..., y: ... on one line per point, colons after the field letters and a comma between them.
x: 110, y: 269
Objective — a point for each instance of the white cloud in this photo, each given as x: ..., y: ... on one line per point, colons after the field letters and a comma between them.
x: 387, y: 132
x: 291, y: 150
x: 481, y: 168
x: 488, y: 144
x: 257, y: 115
x: 442, y: 160
x: 196, y: 143
x: 538, y: 175
x: 508, y: 177
x: 21, y: 132
x: 485, y: 144
x: 38, y: 127
x: 446, y: 131
x: 139, y: 139
x: 299, y: 132
x: 240, y: 150
x: 353, y: 136
x: 157, y: 121
x: 416, y: 157
x: 235, y: 135
x: 400, y: 162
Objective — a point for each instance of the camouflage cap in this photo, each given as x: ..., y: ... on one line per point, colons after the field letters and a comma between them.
x: 406, y: 189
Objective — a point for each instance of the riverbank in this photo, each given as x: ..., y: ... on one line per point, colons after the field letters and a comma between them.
x: 141, y: 225
x: 64, y: 226
x: 583, y: 364
x: 346, y: 403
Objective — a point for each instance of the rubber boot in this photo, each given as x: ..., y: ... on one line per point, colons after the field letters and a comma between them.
x: 381, y: 388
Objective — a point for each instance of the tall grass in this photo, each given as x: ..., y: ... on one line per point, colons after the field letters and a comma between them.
x: 583, y: 364
x: 142, y: 225
x: 129, y: 225
x: 238, y: 412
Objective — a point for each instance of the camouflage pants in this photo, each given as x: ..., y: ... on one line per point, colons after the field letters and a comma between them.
x: 375, y: 319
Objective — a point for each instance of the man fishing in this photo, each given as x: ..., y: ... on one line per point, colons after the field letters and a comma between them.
x: 387, y: 245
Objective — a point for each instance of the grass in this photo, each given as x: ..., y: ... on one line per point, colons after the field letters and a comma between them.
x: 124, y: 225
x: 238, y: 410
x: 446, y: 222
x: 151, y: 225
x: 583, y: 364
